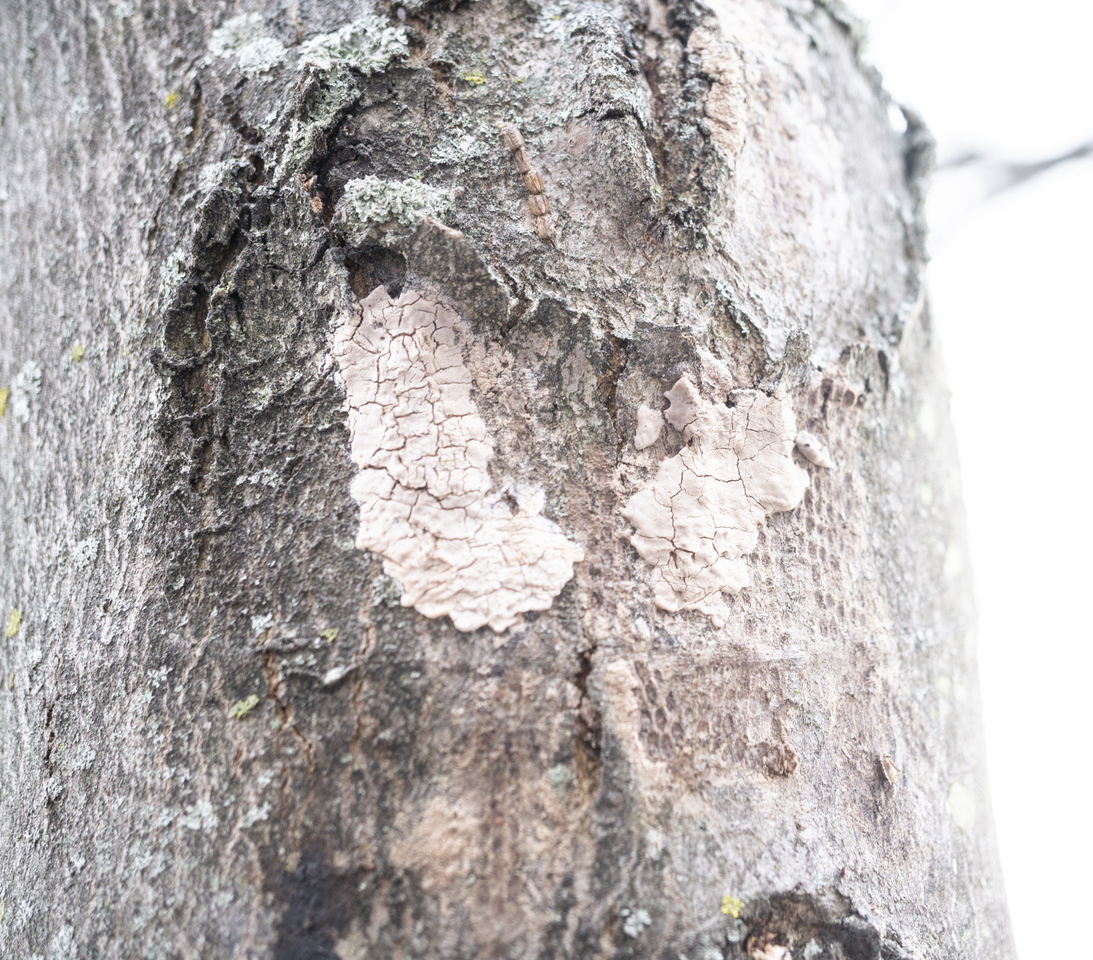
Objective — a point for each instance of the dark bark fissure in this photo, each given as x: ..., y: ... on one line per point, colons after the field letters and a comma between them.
x: 608, y: 383
x: 374, y: 267
x: 51, y: 736
x: 197, y: 121
x: 249, y: 134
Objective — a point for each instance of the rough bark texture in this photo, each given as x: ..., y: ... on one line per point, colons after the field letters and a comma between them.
x: 222, y: 734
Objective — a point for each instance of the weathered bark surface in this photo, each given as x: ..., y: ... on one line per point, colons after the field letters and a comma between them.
x: 607, y: 778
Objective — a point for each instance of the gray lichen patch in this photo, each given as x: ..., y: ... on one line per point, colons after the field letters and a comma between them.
x: 307, y: 89
x: 700, y: 515
x: 427, y: 503
x: 24, y: 390
x: 241, y: 39
x: 380, y: 212
x: 369, y: 43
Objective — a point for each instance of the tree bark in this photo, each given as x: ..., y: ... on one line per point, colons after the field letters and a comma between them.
x: 369, y: 598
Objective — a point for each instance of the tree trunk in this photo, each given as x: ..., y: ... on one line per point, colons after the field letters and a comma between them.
x: 410, y: 546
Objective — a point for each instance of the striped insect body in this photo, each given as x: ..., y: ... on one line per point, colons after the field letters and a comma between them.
x: 532, y: 180
x: 513, y: 140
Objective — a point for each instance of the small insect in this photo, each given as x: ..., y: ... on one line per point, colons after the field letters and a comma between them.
x: 336, y: 674
x: 764, y: 948
x: 307, y: 184
x: 888, y: 768
x: 532, y: 180
x: 813, y: 450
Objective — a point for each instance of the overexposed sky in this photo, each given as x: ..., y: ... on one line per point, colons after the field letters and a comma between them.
x: 1011, y: 78
x: 1008, y: 288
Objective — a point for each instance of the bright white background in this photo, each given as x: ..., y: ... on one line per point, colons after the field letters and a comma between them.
x: 1010, y: 286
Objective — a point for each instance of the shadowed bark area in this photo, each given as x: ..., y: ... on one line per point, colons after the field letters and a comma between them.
x: 222, y: 734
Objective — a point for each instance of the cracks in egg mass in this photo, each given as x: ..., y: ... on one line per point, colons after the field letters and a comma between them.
x: 421, y: 448
x: 700, y: 515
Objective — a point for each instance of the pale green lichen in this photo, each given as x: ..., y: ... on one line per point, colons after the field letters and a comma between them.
x: 260, y: 56
x: 85, y: 553
x: 634, y: 921
x: 212, y: 175
x: 200, y: 816
x: 460, y: 150
x: 476, y: 78
x: 370, y: 44
x: 240, y: 39
x: 24, y: 390
x: 560, y: 777
x: 14, y: 619
x: 328, y: 95
x: 330, y: 634
x: 242, y: 707
x: 330, y: 65
x: 261, y: 622
x: 252, y: 816
x: 5, y: 392
x: 78, y: 352
x: 172, y: 273
x: 382, y: 212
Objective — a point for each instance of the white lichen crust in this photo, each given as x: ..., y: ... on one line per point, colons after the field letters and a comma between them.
x: 427, y: 504
x: 700, y: 516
